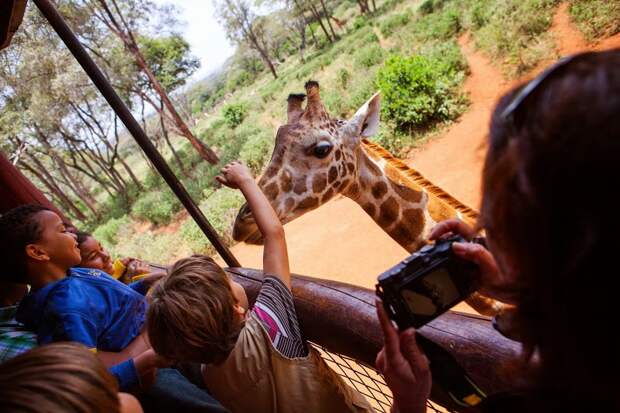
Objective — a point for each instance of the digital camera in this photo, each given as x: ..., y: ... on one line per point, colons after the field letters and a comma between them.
x: 426, y: 284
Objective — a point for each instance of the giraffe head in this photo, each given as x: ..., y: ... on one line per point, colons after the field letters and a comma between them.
x: 314, y: 159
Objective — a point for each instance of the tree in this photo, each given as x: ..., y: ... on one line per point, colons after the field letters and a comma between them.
x: 169, y: 59
x: 123, y: 22
x: 243, y: 25
x: 303, y: 4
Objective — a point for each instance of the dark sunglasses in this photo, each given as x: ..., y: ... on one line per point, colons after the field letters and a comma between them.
x: 509, y: 113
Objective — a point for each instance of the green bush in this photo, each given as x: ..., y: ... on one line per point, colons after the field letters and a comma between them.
x: 427, y: 7
x: 114, y: 207
x: 596, y: 18
x: 371, y: 38
x: 162, y: 248
x: 415, y: 92
x: 448, y: 58
x: 157, y: 207
x: 220, y: 208
x: 390, y: 24
x: 238, y: 80
x: 369, y: 56
x: 359, y: 22
x: 343, y: 77
x: 256, y: 151
x: 234, y: 113
x: 153, y: 180
x: 107, y: 233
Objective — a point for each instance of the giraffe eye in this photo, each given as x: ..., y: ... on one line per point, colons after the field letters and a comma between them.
x: 322, y: 149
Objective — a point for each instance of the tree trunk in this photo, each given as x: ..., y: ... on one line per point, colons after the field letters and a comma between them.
x: 205, y: 152
x: 261, y: 50
x: 266, y: 59
x: 164, y: 132
x: 301, y: 11
x: 105, y: 169
x: 317, y: 16
x: 122, y: 161
x: 363, y: 6
x: 89, y: 171
x: 48, y: 180
x: 314, y: 40
x: 74, y: 183
x: 329, y: 23
x: 374, y: 6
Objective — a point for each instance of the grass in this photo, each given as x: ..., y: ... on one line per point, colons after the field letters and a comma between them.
x: 514, y: 32
x: 596, y: 18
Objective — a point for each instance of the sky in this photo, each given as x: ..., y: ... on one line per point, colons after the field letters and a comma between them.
x: 206, y: 37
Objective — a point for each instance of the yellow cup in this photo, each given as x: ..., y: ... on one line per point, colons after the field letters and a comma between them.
x: 118, y: 269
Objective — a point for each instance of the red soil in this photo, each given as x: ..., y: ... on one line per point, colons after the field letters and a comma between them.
x: 340, y: 242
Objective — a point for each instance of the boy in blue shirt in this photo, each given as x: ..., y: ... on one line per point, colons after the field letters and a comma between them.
x: 75, y: 304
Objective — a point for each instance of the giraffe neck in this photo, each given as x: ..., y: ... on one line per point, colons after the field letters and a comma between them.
x: 398, y: 209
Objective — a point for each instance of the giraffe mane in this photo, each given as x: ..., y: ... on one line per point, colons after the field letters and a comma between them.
x: 469, y: 214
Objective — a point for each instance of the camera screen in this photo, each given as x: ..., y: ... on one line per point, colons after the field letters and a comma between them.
x: 431, y: 294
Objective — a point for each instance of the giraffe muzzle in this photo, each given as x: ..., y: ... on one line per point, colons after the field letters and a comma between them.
x: 245, y: 228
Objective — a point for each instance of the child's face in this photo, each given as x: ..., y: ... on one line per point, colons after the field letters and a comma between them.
x: 94, y: 255
x: 56, y: 245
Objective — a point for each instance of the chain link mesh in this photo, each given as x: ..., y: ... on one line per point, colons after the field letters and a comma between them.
x: 366, y: 380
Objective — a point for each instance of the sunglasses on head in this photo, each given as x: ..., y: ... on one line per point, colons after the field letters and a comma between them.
x: 508, y: 114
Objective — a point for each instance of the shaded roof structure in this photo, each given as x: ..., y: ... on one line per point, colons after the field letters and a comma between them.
x: 11, y: 15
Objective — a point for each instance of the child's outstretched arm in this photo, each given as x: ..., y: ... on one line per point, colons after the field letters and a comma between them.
x: 275, y: 256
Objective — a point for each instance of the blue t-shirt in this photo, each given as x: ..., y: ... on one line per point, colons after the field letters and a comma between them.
x: 88, y: 306
x: 92, y: 308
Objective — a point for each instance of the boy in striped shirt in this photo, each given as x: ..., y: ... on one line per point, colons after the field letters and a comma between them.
x: 252, y: 359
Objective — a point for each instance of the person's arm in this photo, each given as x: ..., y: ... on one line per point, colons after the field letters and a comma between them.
x: 139, y: 371
x: 275, y: 255
x: 404, y: 366
x: 143, y: 285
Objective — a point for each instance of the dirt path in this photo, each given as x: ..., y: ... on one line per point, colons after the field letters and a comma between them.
x: 454, y: 160
x: 340, y: 242
x: 568, y: 38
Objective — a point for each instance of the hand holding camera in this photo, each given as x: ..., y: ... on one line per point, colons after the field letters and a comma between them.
x: 427, y: 283
x: 492, y: 282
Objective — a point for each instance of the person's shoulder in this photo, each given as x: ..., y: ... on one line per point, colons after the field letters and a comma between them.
x: 273, y: 281
x: 88, y: 274
x: 73, y: 295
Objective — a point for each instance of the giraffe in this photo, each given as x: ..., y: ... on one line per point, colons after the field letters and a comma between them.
x: 317, y: 157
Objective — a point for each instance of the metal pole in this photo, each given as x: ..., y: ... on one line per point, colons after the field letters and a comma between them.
x: 100, y: 81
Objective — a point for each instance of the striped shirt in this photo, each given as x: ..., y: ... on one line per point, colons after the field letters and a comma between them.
x: 14, y: 338
x: 275, y: 309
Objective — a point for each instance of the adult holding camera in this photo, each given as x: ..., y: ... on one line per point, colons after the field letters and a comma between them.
x: 549, y: 211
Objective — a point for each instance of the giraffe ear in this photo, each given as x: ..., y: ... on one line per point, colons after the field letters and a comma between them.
x: 365, y: 122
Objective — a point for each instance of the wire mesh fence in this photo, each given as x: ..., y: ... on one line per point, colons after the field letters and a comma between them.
x: 365, y: 380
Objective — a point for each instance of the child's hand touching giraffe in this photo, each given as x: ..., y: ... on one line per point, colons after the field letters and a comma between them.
x: 234, y: 175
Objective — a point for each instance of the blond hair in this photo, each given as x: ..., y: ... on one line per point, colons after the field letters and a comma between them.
x: 59, y: 377
x: 191, y: 315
